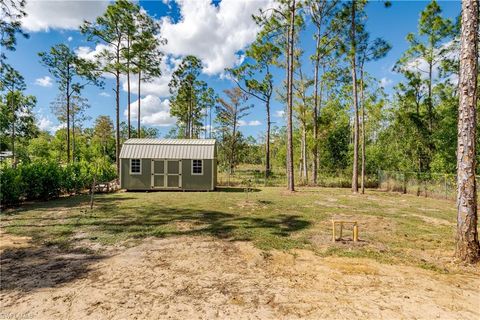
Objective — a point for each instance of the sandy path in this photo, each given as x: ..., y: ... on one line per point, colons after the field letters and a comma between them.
x: 203, y: 278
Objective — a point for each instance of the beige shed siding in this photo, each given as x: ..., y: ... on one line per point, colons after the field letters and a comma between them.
x: 135, y: 181
x: 171, y: 149
x: 197, y: 182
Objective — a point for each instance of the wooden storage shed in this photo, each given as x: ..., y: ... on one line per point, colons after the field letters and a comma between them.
x: 168, y: 164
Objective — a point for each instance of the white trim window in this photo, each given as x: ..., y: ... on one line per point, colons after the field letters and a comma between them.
x: 197, y: 167
x: 135, y: 166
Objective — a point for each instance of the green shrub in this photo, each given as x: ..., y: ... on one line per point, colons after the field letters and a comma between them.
x: 75, y: 177
x: 41, y: 180
x: 105, y: 171
x: 44, y: 180
x: 10, y: 189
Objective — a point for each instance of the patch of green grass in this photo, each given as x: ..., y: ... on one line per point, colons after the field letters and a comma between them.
x: 369, y: 253
x: 393, y: 227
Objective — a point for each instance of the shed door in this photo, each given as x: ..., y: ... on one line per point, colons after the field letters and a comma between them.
x: 166, y: 173
x: 158, y: 173
x: 174, y: 173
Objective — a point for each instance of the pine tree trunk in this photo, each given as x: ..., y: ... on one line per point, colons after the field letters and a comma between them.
x: 291, y: 37
x: 14, y: 157
x: 355, y: 103
x: 128, y: 102
x: 315, y: 114
x: 117, y: 121
x: 139, y: 98
x: 467, y: 245
x: 362, y: 99
x: 304, y: 154
x: 73, y: 136
x: 430, y: 101
x: 128, y: 88
x: 234, y: 140
x: 267, y: 142
x: 210, y: 122
x: 68, y: 121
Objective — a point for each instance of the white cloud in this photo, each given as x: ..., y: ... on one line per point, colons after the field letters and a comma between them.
x: 85, y: 53
x: 44, y: 124
x: 449, y: 50
x: 157, y: 87
x: 252, y: 123
x: 153, y: 111
x: 104, y: 94
x: 385, y: 82
x: 43, y: 15
x: 92, y: 54
x: 54, y: 129
x: 209, y: 127
x: 279, y: 113
x: 44, y: 82
x: 69, y: 39
x: 213, y: 33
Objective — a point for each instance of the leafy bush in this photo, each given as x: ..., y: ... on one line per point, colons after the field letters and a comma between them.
x: 105, y: 171
x: 41, y: 180
x: 10, y: 190
x: 44, y: 180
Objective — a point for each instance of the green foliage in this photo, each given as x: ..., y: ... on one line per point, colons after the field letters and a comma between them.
x: 46, y: 179
x: 40, y: 180
x: 16, y: 110
x: 334, y: 137
x: 191, y: 98
x: 71, y: 72
x: 17, y: 122
x: 421, y: 135
x: 229, y: 114
x: 10, y: 186
x: 145, y: 56
x: 12, y: 13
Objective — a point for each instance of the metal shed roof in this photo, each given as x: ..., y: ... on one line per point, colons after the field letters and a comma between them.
x: 168, y: 149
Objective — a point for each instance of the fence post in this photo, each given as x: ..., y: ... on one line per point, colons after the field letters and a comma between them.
x: 418, y: 184
x: 425, y: 186
x: 379, y: 186
x: 388, y: 182
x: 446, y: 186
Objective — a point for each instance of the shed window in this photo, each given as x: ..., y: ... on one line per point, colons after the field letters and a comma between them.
x: 135, y: 166
x: 197, y: 167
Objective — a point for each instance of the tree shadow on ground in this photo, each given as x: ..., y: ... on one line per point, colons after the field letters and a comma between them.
x: 53, y: 260
x: 27, y: 269
x: 68, y: 202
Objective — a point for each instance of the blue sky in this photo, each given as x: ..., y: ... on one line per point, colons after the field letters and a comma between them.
x: 216, y: 33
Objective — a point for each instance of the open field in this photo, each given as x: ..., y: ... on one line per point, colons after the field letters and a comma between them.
x: 229, y: 254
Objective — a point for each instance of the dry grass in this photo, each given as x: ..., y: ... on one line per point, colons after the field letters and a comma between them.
x: 227, y: 255
x: 394, y: 228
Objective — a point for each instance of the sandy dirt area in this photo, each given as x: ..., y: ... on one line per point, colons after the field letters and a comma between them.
x: 206, y: 278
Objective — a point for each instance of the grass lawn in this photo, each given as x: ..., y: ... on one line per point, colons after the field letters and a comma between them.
x: 394, y: 228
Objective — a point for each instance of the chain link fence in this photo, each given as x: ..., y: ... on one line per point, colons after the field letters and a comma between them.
x: 246, y: 176
x: 435, y: 185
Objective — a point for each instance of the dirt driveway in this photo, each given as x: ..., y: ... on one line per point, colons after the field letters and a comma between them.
x: 205, y: 278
